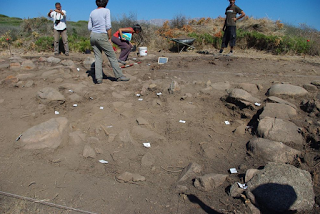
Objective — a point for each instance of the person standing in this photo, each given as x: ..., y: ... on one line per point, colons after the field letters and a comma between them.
x: 229, y: 27
x: 122, y: 38
x: 59, y: 17
x: 100, y: 39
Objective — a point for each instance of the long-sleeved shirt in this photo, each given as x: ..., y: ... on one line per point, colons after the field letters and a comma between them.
x: 99, y: 20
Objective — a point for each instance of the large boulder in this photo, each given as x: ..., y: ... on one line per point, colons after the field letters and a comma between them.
x: 282, y: 187
x: 241, y: 98
x: 88, y: 63
x: 49, y: 134
x: 286, y: 89
x: 47, y: 95
x: 249, y: 87
x: 277, y: 110
x: 281, y: 131
x: 28, y: 65
x: 272, y: 151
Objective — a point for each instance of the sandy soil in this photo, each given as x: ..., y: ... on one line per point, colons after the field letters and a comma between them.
x: 63, y: 176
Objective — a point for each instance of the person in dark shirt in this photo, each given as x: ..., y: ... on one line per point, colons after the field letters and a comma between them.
x: 229, y: 27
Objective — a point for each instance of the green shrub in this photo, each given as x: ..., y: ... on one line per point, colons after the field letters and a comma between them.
x: 44, y: 43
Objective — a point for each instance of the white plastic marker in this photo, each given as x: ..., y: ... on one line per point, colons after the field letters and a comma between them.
x: 242, y: 186
x: 257, y: 104
x: 75, y: 105
x: 159, y: 93
x: 103, y: 161
x: 138, y: 95
x: 140, y: 99
x: 78, y: 69
x: 56, y: 112
x: 182, y: 121
x: 233, y: 171
x: 18, y: 138
x: 71, y: 91
x: 101, y: 108
x: 227, y: 122
x: 147, y: 145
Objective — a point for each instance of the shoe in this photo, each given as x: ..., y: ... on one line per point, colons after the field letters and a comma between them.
x: 122, y: 62
x: 67, y: 54
x: 99, y: 81
x: 56, y: 54
x: 123, y: 78
x: 230, y: 54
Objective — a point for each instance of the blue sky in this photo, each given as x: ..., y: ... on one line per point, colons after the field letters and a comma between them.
x: 292, y: 12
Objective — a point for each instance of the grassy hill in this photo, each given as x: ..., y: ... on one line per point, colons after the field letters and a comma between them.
x: 260, y: 34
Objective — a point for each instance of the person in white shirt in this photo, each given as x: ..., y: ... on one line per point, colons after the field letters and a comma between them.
x: 59, y: 18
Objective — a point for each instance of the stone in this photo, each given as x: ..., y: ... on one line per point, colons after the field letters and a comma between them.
x: 316, y: 83
x: 309, y: 106
x: 282, y: 187
x: 11, y: 79
x: 28, y: 65
x: 241, y: 98
x: 209, y: 182
x: 50, y: 73
x: 77, y: 138
x: 181, y: 189
x: 148, y: 160
x: 277, y: 110
x: 47, y: 95
x: 130, y: 177
x: 142, y: 121
x: 286, y: 89
x: 281, y: 131
x: 241, y: 130
x: 235, y: 191
x: 88, y: 63
x: 310, y: 87
x: 221, y: 86
x: 174, y: 87
x: 26, y: 76
x: 29, y: 84
x: 88, y: 152
x: 190, y: 172
x: 49, y: 134
x: 15, y: 66
x: 249, y: 174
x: 152, y: 87
x: 249, y: 87
x: 68, y: 63
x: 272, y: 151
x: 273, y: 99
x: 80, y: 88
x: 53, y: 60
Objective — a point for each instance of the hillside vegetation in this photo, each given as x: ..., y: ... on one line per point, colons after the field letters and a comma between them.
x: 262, y: 34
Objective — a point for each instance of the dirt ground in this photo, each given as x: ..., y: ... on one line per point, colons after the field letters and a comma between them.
x: 64, y: 177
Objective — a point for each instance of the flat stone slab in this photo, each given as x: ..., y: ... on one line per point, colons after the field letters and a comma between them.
x: 47, y: 95
x: 276, y: 110
x: 281, y: 131
x: 286, y: 89
x: 272, y: 151
x: 49, y: 134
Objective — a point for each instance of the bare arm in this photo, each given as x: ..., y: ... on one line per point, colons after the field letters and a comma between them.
x: 109, y: 34
x: 240, y: 17
x: 49, y: 14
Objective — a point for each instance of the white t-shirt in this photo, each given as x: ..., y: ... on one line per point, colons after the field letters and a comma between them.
x: 57, y: 16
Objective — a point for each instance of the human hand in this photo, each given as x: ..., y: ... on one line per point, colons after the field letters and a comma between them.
x: 234, y: 19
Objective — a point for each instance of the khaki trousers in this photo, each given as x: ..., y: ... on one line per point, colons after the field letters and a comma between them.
x: 100, y: 42
x: 64, y: 36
